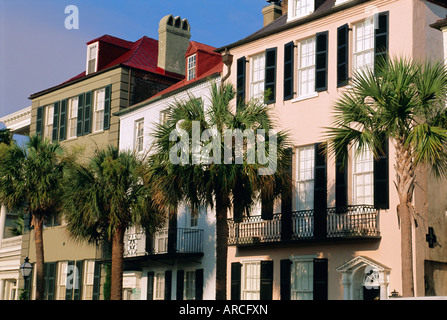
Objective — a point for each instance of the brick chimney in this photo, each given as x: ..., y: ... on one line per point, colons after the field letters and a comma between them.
x: 173, y: 41
x: 271, y: 12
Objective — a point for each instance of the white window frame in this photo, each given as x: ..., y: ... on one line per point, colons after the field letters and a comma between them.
x: 189, y: 291
x: 363, y: 178
x: 61, y: 280
x: 49, y: 119
x: 305, y: 166
x: 88, y: 279
x: 257, y: 76
x: 251, y: 283
x: 363, y: 46
x: 302, y: 287
x: 306, y: 69
x: 192, y: 67
x: 90, y: 47
x: 73, y: 104
x: 139, y: 135
x: 159, y: 285
x: 300, y: 8
x: 99, y: 97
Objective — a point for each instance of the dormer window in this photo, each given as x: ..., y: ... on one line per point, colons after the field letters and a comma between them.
x: 191, y: 72
x: 92, y: 58
x: 300, y: 8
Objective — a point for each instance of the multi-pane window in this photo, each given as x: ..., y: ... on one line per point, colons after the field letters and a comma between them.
x: 89, y: 275
x: 302, y: 279
x: 190, y: 285
x: 99, y: 101
x: 62, y: 280
x: 305, y: 178
x: 257, y: 76
x: 306, y: 68
x: 163, y: 117
x: 49, y: 117
x: 72, y: 116
x: 363, y: 176
x: 193, y: 222
x: 251, y: 283
x: 364, y: 45
x: 139, y: 135
x: 192, y: 62
x: 159, y: 286
x: 92, y: 53
x: 301, y: 8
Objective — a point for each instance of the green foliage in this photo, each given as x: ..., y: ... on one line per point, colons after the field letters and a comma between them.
x: 31, y: 177
x: 403, y: 100
x: 107, y: 193
x: 198, y: 184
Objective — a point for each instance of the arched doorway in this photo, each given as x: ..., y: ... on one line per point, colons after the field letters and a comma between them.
x: 364, y: 279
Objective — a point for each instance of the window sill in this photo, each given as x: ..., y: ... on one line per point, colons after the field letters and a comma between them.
x: 309, y: 96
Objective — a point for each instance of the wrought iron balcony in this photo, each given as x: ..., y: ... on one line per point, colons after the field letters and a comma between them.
x: 186, y: 241
x: 350, y: 222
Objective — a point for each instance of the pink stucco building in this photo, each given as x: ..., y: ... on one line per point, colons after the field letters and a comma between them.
x: 342, y: 237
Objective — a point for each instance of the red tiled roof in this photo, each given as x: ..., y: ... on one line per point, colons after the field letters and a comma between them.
x: 141, y: 54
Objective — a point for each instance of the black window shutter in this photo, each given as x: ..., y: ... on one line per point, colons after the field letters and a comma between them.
x: 168, y: 283
x: 266, y: 280
x: 381, y: 176
x: 288, y: 70
x: 285, y: 278
x: 63, y: 120
x: 381, y: 38
x: 80, y: 117
x: 172, y: 232
x: 70, y: 281
x: 150, y: 286
x: 56, y: 109
x: 88, y: 113
x: 39, y: 121
x: 180, y: 282
x: 286, y: 200
x: 270, y: 75
x: 266, y: 205
x: 199, y: 284
x: 107, y: 99
x: 236, y: 269
x: 321, y: 61
x: 240, y: 82
x: 96, y: 281
x: 341, y: 183
x: 50, y: 280
x: 320, y: 191
x: 77, y: 290
x: 342, y: 55
x: 320, y: 279
x: 238, y: 205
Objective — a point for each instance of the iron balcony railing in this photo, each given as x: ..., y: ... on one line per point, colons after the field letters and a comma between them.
x: 188, y: 240
x: 360, y: 221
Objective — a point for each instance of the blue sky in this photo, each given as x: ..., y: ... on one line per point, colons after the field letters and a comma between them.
x: 38, y: 52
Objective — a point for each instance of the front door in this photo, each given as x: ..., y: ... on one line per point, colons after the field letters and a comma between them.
x: 371, y: 293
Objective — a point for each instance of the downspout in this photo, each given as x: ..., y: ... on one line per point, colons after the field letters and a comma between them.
x: 227, y: 59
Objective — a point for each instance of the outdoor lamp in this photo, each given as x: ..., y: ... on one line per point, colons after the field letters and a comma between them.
x: 26, y: 268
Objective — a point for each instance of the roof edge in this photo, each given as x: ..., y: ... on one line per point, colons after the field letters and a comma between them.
x: 294, y: 23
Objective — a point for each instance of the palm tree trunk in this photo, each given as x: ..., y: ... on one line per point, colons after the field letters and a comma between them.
x: 117, y: 264
x: 405, y: 176
x: 221, y: 246
x: 40, y: 277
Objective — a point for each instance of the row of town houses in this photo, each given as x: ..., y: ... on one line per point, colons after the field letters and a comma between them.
x: 305, y: 53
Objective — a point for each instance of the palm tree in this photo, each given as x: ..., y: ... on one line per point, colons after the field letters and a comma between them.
x: 105, y: 197
x: 226, y: 179
x: 6, y: 136
x: 402, y: 101
x: 31, y: 176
